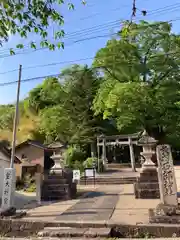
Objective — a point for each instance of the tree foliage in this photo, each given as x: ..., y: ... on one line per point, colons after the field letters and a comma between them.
x: 47, y: 94
x: 33, y: 16
x: 71, y: 118
x: 6, y: 117
x: 141, y: 90
x: 132, y: 85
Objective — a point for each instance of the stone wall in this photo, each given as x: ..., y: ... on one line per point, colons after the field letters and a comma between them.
x: 20, y: 228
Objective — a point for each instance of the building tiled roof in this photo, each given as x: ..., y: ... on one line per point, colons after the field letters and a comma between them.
x: 33, y: 143
x: 7, y: 153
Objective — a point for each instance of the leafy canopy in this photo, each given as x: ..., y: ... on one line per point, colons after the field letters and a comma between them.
x: 64, y: 105
x: 24, y: 17
x: 141, y: 87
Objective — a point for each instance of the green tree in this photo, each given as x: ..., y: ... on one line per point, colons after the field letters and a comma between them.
x: 72, y: 115
x: 24, y: 17
x: 81, y: 84
x: 7, y: 117
x: 64, y: 106
x: 141, y: 88
x: 54, y: 124
x: 47, y: 94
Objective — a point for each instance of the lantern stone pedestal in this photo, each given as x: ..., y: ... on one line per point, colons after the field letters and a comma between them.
x: 58, y: 164
x: 59, y: 183
x: 147, y: 186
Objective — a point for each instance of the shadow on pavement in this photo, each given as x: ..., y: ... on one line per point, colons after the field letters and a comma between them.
x: 99, y: 194
x: 21, y: 200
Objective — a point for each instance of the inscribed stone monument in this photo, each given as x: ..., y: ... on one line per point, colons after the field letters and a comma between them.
x: 8, y: 188
x: 167, y: 211
x: 167, y: 180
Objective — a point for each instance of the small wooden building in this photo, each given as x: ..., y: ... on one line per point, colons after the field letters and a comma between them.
x: 34, y: 156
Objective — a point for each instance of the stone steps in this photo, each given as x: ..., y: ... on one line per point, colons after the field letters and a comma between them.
x: 55, y: 181
x: 69, y: 232
x: 121, y: 165
x: 109, y: 181
x: 58, y: 187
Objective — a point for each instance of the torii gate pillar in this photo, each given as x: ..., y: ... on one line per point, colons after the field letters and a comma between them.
x: 132, y: 157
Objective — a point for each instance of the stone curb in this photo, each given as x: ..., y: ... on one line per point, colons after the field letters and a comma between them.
x: 31, y: 227
x: 64, y: 238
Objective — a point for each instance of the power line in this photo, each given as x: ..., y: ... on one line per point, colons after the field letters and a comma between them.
x: 49, y: 64
x: 152, y: 12
x: 102, y: 12
x: 70, y: 61
x: 77, y: 41
x: 57, y: 75
x: 115, y: 23
x: 63, y: 62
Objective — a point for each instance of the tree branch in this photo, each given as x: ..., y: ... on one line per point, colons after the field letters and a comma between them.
x: 112, y: 74
x: 145, y: 60
x: 165, y: 74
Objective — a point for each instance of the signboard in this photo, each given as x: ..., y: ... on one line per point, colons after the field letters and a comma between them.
x: 76, y: 175
x: 8, y: 188
x: 89, y: 172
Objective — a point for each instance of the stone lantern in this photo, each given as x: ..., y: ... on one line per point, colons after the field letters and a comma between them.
x: 148, y: 143
x: 147, y: 185
x: 58, y: 164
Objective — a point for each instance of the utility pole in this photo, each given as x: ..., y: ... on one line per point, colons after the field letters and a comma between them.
x: 9, y: 181
x: 16, y: 119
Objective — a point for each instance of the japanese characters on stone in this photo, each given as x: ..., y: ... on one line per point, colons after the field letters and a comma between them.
x: 7, y: 188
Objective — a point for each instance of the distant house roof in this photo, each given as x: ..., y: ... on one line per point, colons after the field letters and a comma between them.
x: 32, y: 143
x: 7, y: 153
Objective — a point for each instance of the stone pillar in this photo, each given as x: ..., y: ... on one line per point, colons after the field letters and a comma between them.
x: 104, y: 153
x: 38, y: 177
x: 9, y: 185
x: 98, y: 153
x: 147, y: 185
x: 132, y: 155
x: 168, y: 210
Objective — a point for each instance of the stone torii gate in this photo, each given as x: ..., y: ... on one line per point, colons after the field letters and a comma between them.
x: 128, y: 140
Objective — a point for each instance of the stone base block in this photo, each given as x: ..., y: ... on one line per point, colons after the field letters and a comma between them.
x: 153, y: 218
x: 164, y: 213
x: 146, y: 190
x: 149, y: 176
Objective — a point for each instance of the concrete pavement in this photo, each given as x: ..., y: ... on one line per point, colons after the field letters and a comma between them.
x: 113, y: 203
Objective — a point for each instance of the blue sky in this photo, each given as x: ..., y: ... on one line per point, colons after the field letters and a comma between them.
x: 95, y: 13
